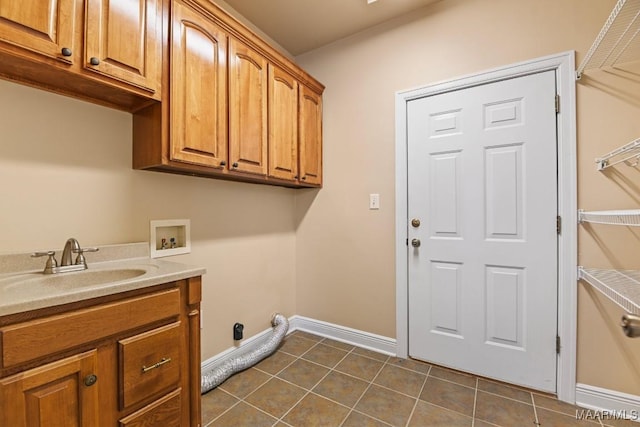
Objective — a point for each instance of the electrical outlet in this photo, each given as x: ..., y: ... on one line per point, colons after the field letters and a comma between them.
x: 237, y: 331
x: 374, y: 201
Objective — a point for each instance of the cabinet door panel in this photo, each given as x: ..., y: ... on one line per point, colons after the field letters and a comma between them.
x: 283, y: 125
x: 198, y: 92
x: 310, y: 137
x: 248, y: 109
x: 45, y: 26
x: 52, y: 395
x: 125, y: 38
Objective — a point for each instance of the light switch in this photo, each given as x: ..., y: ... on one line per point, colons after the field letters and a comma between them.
x: 374, y: 201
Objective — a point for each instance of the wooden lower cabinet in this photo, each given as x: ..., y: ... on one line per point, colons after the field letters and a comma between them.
x: 62, y: 393
x: 137, y: 362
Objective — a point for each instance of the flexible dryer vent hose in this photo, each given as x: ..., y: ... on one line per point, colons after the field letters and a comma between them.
x: 216, y: 376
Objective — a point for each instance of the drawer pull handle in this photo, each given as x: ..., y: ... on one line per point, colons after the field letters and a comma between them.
x: 156, y: 365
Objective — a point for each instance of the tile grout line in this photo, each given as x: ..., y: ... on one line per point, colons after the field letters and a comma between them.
x: 475, y: 401
x: 415, y: 405
x: 536, y: 421
x: 371, y: 382
x: 308, y: 391
x: 271, y: 376
x: 388, y: 361
x: 281, y: 418
x: 365, y: 392
x: 226, y: 410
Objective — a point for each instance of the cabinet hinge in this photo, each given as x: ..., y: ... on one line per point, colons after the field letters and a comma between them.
x: 558, y: 224
x: 407, y: 241
x: 557, y: 103
x: 557, y: 344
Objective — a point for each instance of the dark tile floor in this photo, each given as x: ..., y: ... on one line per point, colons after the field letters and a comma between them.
x: 314, y: 381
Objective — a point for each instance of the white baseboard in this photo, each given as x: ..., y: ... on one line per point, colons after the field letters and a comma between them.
x: 344, y: 334
x: 602, y: 400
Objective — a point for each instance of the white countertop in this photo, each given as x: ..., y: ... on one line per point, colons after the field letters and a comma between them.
x: 22, y: 291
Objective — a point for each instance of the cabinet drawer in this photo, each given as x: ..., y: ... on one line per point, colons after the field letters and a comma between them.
x: 149, y: 364
x: 27, y: 341
x: 163, y: 412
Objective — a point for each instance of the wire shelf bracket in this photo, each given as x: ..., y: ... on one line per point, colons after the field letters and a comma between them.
x: 629, y: 154
x: 618, y: 40
x: 620, y: 286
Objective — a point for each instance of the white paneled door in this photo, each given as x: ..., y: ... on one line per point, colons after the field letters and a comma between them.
x: 483, y: 244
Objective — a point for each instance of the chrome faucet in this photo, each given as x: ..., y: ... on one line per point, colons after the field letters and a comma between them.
x: 72, y: 245
x: 66, y: 262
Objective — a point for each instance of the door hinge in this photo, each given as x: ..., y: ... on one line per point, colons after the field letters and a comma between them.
x: 557, y: 344
x: 557, y: 103
x: 407, y: 241
x: 558, y: 224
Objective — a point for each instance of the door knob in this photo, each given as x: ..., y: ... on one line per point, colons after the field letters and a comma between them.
x: 415, y: 222
x: 415, y: 243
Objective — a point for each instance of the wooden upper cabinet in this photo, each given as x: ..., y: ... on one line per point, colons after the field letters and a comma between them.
x: 283, y: 124
x: 123, y: 40
x: 310, y: 136
x: 247, y: 109
x: 46, y: 27
x: 198, y: 114
x: 232, y: 108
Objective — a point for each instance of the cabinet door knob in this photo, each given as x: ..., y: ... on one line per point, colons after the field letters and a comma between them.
x: 66, y: 51
x: 304, y: 177
x: 415, y: 243
x: 235, y: 165
x: 90, y: 380
x: 223, y: 163
x: 94, y: 61
x: 415, y: 222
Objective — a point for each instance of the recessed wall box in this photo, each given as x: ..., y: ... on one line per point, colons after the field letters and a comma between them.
x: 169, y: 237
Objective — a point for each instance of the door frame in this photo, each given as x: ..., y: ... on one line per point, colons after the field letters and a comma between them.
x: 564, y: 66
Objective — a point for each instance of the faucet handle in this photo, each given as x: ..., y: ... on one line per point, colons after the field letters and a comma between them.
x: 80, y: 259
x: 51, y: 261
x: 82, y: 250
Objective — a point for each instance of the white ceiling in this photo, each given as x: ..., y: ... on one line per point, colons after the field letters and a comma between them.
x: 303, y: 25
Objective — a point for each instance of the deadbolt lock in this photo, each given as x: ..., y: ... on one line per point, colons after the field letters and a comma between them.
x: 415, y: 243
x: 415, y: 222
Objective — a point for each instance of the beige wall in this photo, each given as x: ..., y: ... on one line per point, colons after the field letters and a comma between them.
x: 345, y: 268
x: 65, y: 170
